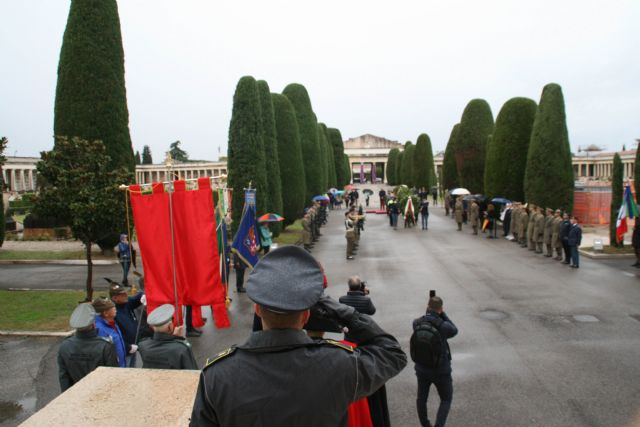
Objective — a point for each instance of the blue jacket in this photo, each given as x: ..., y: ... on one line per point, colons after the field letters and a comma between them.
x: 127, y: 320
x: 447, y: 330
x: 575, y: 235
x: 104, y: 330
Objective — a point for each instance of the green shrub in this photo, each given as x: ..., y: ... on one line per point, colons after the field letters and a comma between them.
x: 476, y: 125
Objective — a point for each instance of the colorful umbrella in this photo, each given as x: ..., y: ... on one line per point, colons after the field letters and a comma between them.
x: 367, y: 191
x: 270, y: 217
x: 460, y: 192
x: 321, y: 198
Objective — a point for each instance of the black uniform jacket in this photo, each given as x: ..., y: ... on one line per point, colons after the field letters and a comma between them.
x: 282, y: 377
x: 81, y: 353
x: 166, y: 351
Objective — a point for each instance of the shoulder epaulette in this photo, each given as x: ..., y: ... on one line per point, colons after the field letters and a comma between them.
x: 226, y: 353
x: 340, y: 345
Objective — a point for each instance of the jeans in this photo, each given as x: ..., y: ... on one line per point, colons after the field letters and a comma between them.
x: 126, y: 264
x: 575, y: 256
x: 394, y: 220
x: 444, y: 386
x: 425, y: 219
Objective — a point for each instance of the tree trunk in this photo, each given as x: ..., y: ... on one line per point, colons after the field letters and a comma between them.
x: 89, y: 272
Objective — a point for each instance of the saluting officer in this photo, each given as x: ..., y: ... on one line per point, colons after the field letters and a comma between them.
x: 83, y: 351
x: 168, y: 349
x: 280, y: 376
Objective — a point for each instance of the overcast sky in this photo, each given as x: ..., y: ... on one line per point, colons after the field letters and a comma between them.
x: 392, y: 69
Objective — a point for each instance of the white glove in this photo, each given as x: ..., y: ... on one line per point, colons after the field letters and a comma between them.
x: 143, y: 300
x: 134, y: 348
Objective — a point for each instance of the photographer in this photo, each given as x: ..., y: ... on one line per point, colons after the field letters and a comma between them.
x: 358, y: 298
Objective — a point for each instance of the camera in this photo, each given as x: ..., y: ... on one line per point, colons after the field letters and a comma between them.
x: 432, y: 293
x: 363, y: 287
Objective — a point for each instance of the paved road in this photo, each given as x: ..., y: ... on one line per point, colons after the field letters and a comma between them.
x: 539, y: 343
x: 54, y: 276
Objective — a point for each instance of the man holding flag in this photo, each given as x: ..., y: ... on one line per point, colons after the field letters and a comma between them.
x: 246, y: 243
x: 628, y: 210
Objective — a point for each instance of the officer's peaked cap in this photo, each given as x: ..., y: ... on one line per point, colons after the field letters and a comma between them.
x: 161, y: 315
x: 287, y: 279
x: 84, y: 315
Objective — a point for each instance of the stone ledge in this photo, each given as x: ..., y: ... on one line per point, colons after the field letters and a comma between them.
x: 115, y: 396
x: 593, y: 255
x: 35, y: 333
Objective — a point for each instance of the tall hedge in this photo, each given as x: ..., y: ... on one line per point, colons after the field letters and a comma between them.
x: 246, y: 158
x: 549, y: 177
x: 272, y: 163
x: 335, y: 139
x: 308, y: 128
x: 507, y: 150
x: 450, y: 177
x: 346, y: 170
x: 91, y: 99
x: 407, y: 164
x: 616, y: 198
x: 290, y: 157
x: 331, y: 162
x: 324, y: 156
x: 146, y: 155
x: 476, y: 125
x: 392, y: 164
x: 423, y: 166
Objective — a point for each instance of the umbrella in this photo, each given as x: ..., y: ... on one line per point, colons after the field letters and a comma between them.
x: 333, y: 190
x: 367, y: 191
x: 349, y: 187
x: 500, y: 200
x: 460, y: 192
x: 339, y: 193
x: 270, y: 217
x: 321, y: 198
x: 477, y: 197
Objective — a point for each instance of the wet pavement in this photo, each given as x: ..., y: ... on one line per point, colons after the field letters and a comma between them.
x: 539, y: 343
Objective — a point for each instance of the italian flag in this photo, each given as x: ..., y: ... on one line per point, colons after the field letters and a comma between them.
x: 629, y: 209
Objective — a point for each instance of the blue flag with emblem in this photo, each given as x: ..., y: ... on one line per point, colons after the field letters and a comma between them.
x: 246, y: 243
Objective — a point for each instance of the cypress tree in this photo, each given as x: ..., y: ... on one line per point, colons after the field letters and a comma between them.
x: 407, y: 164
x: 331, y: 162
x: 399, y: 168
x: 91, y: 99
x: 335, y: 139
x: 346, y: 167
x: 290, y: 157
x: 423, y: 166
x: 450, y: 177
x: 322, y: 145
x: 308, y: 128
x: 475, y: 126
x: 507, y: 150
x: 146, y: 156
x: 616, y: 199
x: 137, y: 158
x: 548, y: 179
x: 246, y: 162
x: 272, y: 163
x: 392, y: 164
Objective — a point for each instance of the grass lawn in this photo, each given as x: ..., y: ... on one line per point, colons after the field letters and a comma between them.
x: 40, y: 255
x: 290, y: 236
x: 627, y: 249
x: 37, y: 310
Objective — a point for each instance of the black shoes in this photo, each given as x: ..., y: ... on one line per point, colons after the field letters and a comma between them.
x: 194, y: 333
x: 241, y: 290
x: 575, y: 266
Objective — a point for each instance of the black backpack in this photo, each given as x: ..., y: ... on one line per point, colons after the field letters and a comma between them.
x: 426, y: 343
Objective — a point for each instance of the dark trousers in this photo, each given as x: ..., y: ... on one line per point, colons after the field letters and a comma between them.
x: 567, y: 252
x: 575, y: 256
x: 239, y: 278
x: 444, y: 386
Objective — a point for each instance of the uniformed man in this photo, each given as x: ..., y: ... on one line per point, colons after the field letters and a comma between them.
x: 306, y: 232
x: 524, y: 226
x: 538, y: 229
x: 280, y: 376
x: 548, y: 232
x: 350, y: 233
x: 83, y: 351
x: 458, y: 212
x: 530, y: 240
x: 474, y: 215
x: 168, y: 349
x: 515, y: 221
x: 556, y: 242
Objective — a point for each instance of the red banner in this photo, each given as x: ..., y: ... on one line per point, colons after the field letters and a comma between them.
x: 195, y: 246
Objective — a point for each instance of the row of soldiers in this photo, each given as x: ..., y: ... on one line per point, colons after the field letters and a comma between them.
x: 536, y: 228
x: 314, y: 218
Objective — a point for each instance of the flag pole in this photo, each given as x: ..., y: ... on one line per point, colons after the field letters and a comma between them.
x: 169, y: 164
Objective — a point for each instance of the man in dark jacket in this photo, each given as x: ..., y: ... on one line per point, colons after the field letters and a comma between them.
x: 83, y: 351
x: 575, y: 238
x: 358, y: 297
x: 126, y: 317
x: 635, y: 242
x: 565, y: 227
x: 439, y: 376
x: 168, y: 349
x: 294, y: 380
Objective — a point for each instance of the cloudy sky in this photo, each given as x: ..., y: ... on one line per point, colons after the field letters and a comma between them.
x: 393, y: 69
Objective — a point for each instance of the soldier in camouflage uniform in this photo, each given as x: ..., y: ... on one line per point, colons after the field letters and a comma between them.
x: 538, y: 229
x: 523, y: 226
x: 548, y: 232
x: 556, y: 242
x: 530, y: 242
